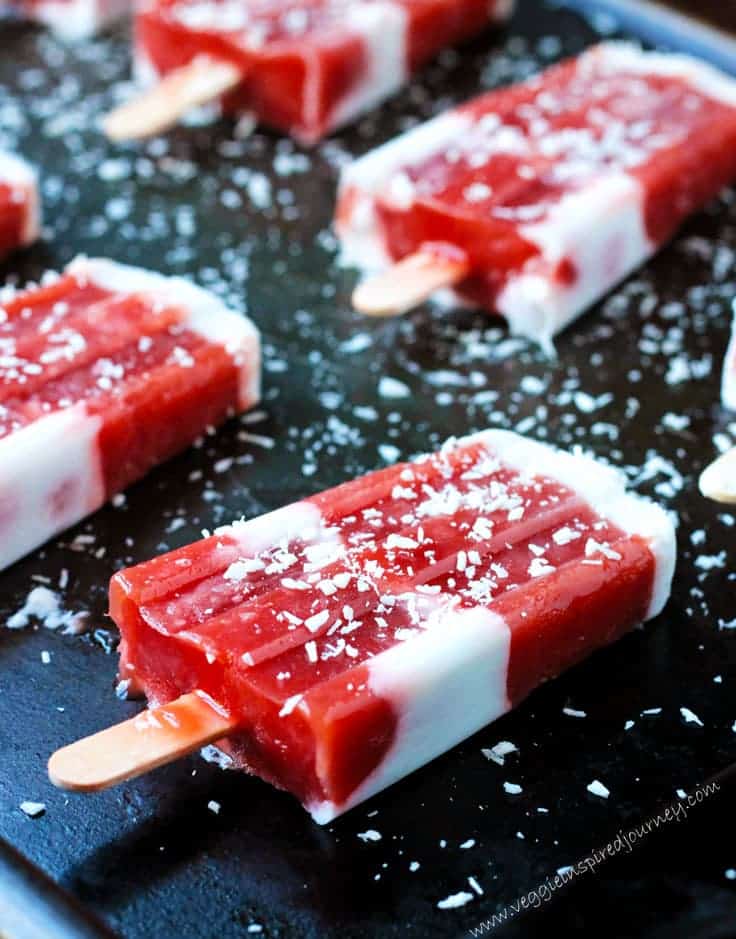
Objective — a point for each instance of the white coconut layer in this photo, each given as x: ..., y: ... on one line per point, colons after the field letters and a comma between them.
x: 444, y: 684
x: 301, y: 520
x: 79, y: 19
x: 601, y: 232
x: 628, y: 57
x: 382, y: 27
x: 50, y: 478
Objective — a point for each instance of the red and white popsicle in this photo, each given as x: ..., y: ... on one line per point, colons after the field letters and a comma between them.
x: 106, y: 371
x: 340, y: 643
x: 535, y: 200
x: 69, y: 19
x: 20, y: 212
x: 306, y: 67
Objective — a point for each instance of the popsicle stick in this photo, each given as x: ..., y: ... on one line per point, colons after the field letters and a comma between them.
x: 718, y: 481
x: 407, y: 284
x: 159, y: 108
x: 153, y: 738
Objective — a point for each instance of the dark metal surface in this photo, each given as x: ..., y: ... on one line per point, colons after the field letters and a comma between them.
x: 636, y: 381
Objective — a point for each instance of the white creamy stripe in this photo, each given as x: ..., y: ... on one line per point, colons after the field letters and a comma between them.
x: 78, y: 19
x: 627, y: 56
x: 206, y: 314
x: 728, y: 383
x: 603, y: 488
x: 383, y: 28
x: 15, y: 170
x: 50, y: 478
x: 601, y: 230
x: 301, y: 520
x: 445, y: 684
x: 21, y: 175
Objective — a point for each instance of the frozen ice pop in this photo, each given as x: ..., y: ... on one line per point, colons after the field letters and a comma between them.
x: 70, y: 19
x: 538, y: 198
x: 105, y: 371
x: 305, y: 67
x: 346, y: 640
x: 20, y: 217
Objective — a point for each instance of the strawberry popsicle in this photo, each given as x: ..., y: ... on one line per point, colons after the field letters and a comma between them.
x: 70, y: 19
x: 106, y: 371
x: 356, y: 635
x: 305, y: 67
x: 540, y: 197
x: 728, y: 384
x: 20, y: 220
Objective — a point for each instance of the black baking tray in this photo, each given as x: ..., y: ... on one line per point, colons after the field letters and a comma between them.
x: 635, y: 381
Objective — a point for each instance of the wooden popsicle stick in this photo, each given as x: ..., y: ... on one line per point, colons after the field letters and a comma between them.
x: 159, y: 108
x: 407, y: 284
x: 155, y: 737
x: 718, y: 481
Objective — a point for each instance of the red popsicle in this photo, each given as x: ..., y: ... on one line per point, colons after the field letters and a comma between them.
x: 106, y: 371
x: 305, y: 67
x: 537, y: 199
x: 350, y: 638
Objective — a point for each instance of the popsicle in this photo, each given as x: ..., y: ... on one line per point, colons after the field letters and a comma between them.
x: 20, y: 217
x: 536, y: 199
x: 69, y: 19
x: 305, y: 67
x: 342, y: 642
x: 105, y: 371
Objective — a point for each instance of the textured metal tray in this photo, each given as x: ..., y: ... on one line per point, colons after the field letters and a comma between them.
x: 635, y: 381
